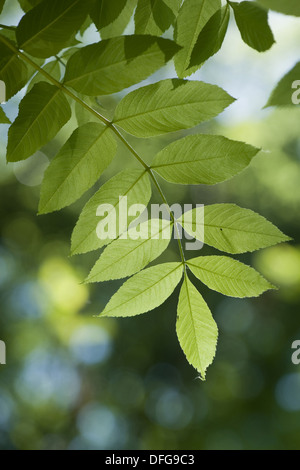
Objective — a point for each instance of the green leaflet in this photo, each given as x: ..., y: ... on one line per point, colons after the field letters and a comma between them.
x: 1, y: 5
x: 289, y: 7
x: 42, y: 113
x: 196, y: 329
x: 132, y: 184
x: 144, y: 291
x: 252, y: 21
x: 232, y: 229
x: 228, y: 276
x: 50, y: 25
x: 77, y: 167
x: 193, y: 16
x: 112, y: 16
x: 126, y: 256
x: 27, y: 5
x: 287, y: 91
x: 155, y: 16
x: 168, y: 106
x: 203, y: 159
x: 52, y: 68
x: 13, y: 72
x: 114, y: 64
x: 211, y: 37
x: 105, y: 12
x: 3, y: 118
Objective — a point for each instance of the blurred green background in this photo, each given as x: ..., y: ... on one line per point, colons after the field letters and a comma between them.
x: 73, y: 381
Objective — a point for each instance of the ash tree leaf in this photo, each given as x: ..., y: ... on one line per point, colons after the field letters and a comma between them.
x: 50, y: 25
x: 228, y: 276
x: 287, y: 91
x: 252, y: 21
x: 77, y: 166
x: 155, y: 16
x: 112, y: 16
x: 3, y: 118
x: 231, y: 228
x: 168, y: 106
x: 42, y: 113
x: 1, y: 5
x: 117, y: 63
x: 52, y: 68
x: 196, y: 329
x: 13, y: 72
x: 127, y: 187
x: 211, y: 37
x: 203, y: 159
x: 288, y: 7
x: 105, y: 12
x: 192, y: 17
x: 27, y: 5
x: 144, y: 291
x: 127, y: 256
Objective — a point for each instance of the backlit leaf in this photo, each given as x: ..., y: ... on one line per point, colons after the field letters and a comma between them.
x: 3, y: 118
x: 112, y: 16
x: 288, y: 7
x: 78, y: 165
x: 42, y: 113
x: 287, y: 92
x: 126, y: 256
x: 144, y: 291
x: 131, y: 184
x: 211, y: 37
x: 252, y: 21
x: 228, y: 276
x: 155, y: 16
x: 193, y: 16
x: 114, y: 64
x: 168, y: 106
x: 50, y: 25
x: 232, y: 229
x: 13, y: 72
x: 203, y: 159
x: 196, y: 329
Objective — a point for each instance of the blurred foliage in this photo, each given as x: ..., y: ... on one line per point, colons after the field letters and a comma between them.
x: 73, y: 381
